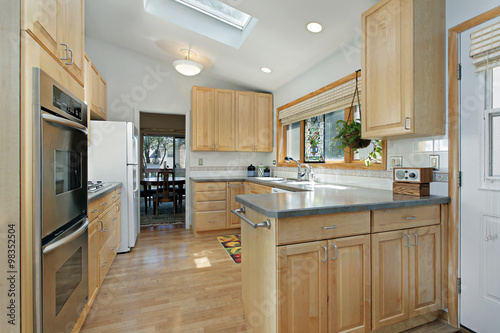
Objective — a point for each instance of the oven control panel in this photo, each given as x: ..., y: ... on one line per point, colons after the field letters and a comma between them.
x: 66, y: 104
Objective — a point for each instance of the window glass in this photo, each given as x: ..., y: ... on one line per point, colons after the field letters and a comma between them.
x: 495, y: 145
x: 219, y: 11
x: 293, y: 140
x: 496, y: 87
x: 332, y: 152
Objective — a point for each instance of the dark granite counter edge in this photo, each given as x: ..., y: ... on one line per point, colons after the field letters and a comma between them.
x: 432, y: 200
x: 94, y: 196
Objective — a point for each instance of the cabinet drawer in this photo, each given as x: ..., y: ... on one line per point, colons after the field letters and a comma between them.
x: 106, y: 256
x: 215, y: 186
x: 206, y: 206
x: 93, y: 210
x: 310, y: 228
x: 106, y: 226
x: 211, y: 220
x: 106, y: 201
x: 258, y: 189
x: 211, y: 196
x: 118, y: 193
x: 403, y: 218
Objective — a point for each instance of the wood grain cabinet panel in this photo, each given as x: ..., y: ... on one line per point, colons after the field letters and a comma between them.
x: 233, y: 189
x: 403, y: 69
x: 245, y: 121
x: 349, y: 285
x: 203, y: 119
x: 404, y: 218
x: 93, y: 245
x: 224, y: 120
x: 263, y: 122
x: 302, y: 287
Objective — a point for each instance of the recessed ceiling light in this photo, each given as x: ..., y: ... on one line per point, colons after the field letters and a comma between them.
x: 314, y: 27
x: 266, y: 70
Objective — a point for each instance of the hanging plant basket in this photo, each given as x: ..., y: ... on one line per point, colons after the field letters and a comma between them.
x: 358, y: 142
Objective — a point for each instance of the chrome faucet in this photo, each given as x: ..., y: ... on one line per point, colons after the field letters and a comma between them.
x: 300, y: 174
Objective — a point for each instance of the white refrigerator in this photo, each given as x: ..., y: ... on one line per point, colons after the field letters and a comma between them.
x: 113, y: 155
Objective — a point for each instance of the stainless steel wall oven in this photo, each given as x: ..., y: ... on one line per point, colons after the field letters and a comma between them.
x: 60, y: 205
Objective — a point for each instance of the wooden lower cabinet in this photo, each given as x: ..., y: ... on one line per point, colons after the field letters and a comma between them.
x: 406, y: 274
x: 324, y: 286
x: 233, y: 189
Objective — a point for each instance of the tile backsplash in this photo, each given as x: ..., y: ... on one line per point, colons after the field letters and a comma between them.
x: 417, y: 152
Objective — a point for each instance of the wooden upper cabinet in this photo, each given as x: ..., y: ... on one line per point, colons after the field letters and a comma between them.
x: 54, y: 23
x: 224, y: 120
x: 203, y: 118
x: 95, y: 91
x: 302, y: 288
x: 245, y: 121
x: 403, y: 66
x: 102, y: 97
x: 263, y: 122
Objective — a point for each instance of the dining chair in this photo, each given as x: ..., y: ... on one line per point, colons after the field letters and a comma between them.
x: 165, y: 189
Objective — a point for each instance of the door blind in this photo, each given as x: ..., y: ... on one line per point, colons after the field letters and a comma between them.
x: 485, y: 48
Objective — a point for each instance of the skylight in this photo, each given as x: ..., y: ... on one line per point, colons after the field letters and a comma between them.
x: 219, y: 11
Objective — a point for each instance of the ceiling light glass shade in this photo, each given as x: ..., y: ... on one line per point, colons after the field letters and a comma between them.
x: 188, y: 67
x: 314, y: 27
x: 266, y: 70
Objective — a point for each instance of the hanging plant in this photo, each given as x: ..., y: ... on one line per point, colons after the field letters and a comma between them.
x: 349, y: 134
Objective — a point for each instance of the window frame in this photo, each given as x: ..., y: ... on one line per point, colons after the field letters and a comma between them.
x: 348, y: 163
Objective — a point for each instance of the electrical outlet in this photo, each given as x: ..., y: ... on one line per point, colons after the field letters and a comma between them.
x: 200, y: 161
x: 274, y: 162
x: 396, y: 161
x: 434, y: 162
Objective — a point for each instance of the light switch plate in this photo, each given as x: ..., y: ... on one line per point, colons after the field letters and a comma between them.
x: 396, y: 161
x: 200, y: 161
x: 434, y: 162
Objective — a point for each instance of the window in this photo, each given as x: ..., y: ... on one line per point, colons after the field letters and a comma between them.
x: 492, y: 125
x: 160, y: 152
x: 220, y: 11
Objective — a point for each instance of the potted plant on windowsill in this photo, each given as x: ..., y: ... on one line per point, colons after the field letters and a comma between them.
x: 349, y: 136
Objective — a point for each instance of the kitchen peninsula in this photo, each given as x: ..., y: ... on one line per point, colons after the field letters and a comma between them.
x: 343, y: 259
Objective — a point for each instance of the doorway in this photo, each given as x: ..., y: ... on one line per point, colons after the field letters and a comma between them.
x: 479, y: 193
x: 163, y: 170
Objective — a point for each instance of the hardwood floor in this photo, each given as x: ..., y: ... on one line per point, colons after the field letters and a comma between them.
x: 172, y: 282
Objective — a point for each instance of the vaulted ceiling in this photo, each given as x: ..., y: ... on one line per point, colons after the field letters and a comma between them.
x: 279, y: 40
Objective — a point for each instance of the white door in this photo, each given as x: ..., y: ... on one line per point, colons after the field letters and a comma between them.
x: 480, y: 193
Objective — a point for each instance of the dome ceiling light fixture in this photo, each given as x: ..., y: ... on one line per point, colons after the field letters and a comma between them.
x: 266, y: 70
x: 314, y: 27
x: 188, y: 67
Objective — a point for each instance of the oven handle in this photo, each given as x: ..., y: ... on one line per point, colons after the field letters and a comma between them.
x: 51, y: 247
x: 61, y: 121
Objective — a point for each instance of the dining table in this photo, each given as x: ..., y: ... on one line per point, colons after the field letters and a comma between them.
x: 148, y: 182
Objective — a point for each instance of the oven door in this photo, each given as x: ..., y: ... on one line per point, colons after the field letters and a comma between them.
x: 64, y: 172
x: 65, y: 278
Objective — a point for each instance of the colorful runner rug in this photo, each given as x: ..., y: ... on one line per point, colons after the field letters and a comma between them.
x: 232, y: 245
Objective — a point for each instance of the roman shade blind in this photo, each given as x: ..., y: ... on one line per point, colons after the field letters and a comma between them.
x: 336, y: 98
x: 485, y: 48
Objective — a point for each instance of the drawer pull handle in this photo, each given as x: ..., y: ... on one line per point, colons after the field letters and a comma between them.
x: 326, y: 253
x: 102, y: 227
x: 409, y: 241
x: 114, y: 219
x: 211, y: 206
x: 104, y: 204
x: 332, y: 227
x: 105, y: 264
x: 211, y: 187
x: 113, y: 197
x: 410, y: 217
x: 416, y: 239
x: 211, y: 221
x: 335, y: 256
x: 95, y: 211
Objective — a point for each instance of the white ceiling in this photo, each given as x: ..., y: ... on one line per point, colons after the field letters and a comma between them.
x: 278, y: 41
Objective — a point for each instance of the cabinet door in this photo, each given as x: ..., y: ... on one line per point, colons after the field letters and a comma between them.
x: 245, y: 121
x: 349, y: 285
x: 425, y: 270
x: 233, y: 189
x: 93, y: 245
x: 102, y: 98
x: 224, y: 120
x: 203, y: 118
x: 263, y: 122
x: 302, y: 287
x: 389, y: 278
x: 385, y: 68
x: 40, y: 17
x: 94, y: 87
x: 70, y: 32
x: 118, y: 223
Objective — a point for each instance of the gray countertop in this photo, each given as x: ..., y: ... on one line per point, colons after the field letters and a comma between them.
x: 102, y: 192
x: 321, y: 198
